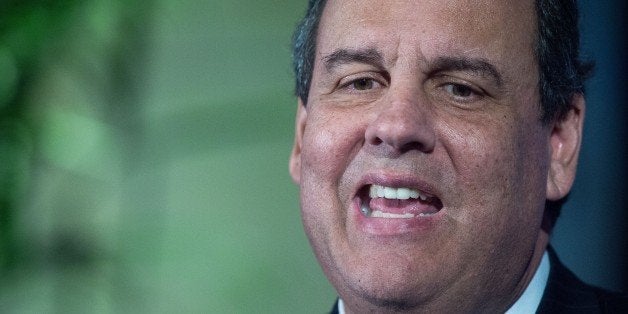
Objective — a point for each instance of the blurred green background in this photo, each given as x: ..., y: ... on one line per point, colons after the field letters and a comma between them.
x: 143, y: 159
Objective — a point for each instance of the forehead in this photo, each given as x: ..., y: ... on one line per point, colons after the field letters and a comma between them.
x: 496, y: 30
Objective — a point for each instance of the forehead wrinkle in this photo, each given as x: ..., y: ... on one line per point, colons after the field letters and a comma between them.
x: 369, y: 27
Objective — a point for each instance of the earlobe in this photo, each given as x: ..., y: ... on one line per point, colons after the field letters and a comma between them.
x: 565, y: 139
x: 295, y: 155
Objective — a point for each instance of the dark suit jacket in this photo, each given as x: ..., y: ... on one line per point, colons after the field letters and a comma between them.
x: 565, y: 293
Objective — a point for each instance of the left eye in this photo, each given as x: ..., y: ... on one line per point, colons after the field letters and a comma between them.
x: 459, y: 90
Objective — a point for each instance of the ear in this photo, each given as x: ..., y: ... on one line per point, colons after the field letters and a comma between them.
x: 295, y: 157
x: 565, y: 139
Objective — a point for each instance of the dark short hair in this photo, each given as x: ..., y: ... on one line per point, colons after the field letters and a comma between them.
x: 304, y: 48
x: 561, y: 72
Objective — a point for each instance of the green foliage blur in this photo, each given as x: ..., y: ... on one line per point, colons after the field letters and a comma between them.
x: 143, y: 159
x: 23, y: 29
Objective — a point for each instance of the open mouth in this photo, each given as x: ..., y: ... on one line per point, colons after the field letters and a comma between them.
x: 377, y: 201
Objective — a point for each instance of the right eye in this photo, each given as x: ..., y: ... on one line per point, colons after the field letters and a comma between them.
x: 362, y: 84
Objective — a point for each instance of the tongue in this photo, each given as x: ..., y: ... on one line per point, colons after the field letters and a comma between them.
x: 400, y: 207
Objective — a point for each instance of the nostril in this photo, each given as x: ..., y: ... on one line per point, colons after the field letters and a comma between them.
x: 414, y: 146
x: 376, y: 141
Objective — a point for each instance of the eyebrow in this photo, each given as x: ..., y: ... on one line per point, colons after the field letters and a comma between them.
x: 478, y: 66
x: 345, y: 56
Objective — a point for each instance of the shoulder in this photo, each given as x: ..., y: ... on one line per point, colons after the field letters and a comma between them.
x: 565, y: 293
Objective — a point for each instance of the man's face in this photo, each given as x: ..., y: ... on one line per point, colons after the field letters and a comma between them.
x: 421, y: 158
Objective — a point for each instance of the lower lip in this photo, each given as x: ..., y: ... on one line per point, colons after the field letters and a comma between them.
x: 394, y: 226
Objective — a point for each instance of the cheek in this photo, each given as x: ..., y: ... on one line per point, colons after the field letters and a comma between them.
x: 473, y: 150
x: 499, y: 164
x: 329, y: 144
x: 498, y: 194
x: 318, y: 143
x: 328, y: 147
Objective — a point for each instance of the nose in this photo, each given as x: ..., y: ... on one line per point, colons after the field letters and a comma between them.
x: 403, y: 124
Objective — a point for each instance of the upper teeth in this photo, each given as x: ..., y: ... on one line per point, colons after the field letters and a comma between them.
x: 395, y: 193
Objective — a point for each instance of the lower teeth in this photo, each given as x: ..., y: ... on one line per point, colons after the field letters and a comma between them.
x: 379, y: 214
x: 366, y: 210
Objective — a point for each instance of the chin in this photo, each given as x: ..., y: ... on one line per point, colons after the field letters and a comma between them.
x: 388, y: 284
x: 390, y: 297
